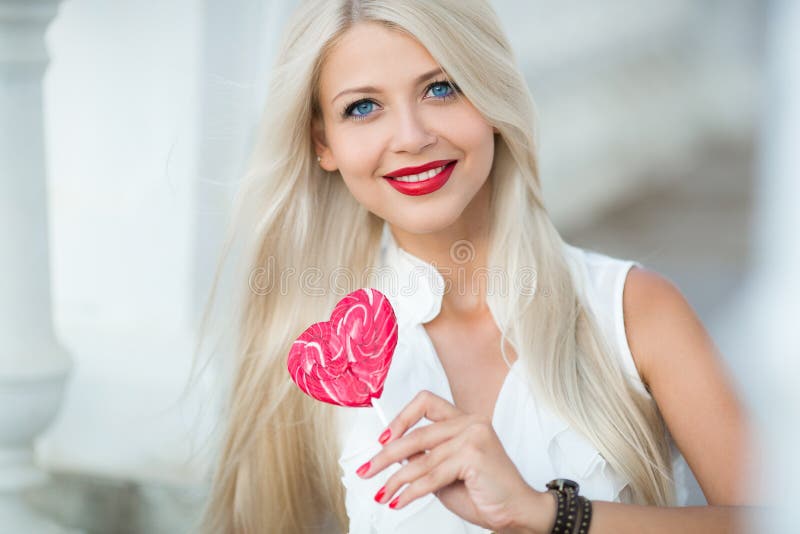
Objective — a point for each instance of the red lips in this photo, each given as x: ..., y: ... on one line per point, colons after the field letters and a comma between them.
x: 423, y: 187
x: 405, y: 171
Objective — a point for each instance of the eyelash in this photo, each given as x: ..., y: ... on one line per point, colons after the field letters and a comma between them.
x: 349, y: 108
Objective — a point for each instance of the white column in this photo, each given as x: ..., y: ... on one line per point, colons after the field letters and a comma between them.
x: 760, y: 331
x: 33, y: 368
x: 777, y: 293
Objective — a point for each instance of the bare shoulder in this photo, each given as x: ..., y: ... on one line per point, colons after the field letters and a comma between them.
x: 690, y: 382
x: 653, y: 307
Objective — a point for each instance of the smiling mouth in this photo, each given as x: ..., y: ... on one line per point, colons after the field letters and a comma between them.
x: 421, y: 177
x: 422, y: 183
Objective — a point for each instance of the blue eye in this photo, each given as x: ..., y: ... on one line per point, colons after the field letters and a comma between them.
x: 363, y: 107
x: 442, y: 90
x: 441, y: 85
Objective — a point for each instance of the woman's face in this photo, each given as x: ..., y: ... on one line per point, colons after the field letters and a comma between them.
x: 405, y: 120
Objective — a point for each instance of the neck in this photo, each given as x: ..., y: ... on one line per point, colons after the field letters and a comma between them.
x: 459, y: 252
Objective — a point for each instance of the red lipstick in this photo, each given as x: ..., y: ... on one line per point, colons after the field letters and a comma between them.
x: 405, y: 171
x: 422, y: 187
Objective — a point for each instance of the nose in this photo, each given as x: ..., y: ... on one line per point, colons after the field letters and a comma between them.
x: 411, y: 132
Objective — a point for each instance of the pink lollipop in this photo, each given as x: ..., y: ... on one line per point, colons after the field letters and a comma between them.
x: 345, y: 360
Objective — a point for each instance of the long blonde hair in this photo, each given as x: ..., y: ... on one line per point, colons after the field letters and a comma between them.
x: 277, y: 467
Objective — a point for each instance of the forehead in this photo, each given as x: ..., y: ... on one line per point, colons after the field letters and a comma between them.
x: 371, y: 54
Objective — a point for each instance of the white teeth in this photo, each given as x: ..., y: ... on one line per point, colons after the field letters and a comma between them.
x: 421, y: 176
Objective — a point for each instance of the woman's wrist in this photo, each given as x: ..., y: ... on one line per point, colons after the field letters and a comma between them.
x: 536, y: 514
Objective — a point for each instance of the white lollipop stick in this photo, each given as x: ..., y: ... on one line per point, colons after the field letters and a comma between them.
x: 382, y: 417
x: 379, y: 411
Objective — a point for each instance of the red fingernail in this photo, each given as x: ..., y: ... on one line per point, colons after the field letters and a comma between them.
x: 385, y: 436
x: 393, y: 504
x: 380, y: 494
x: 363, y: 469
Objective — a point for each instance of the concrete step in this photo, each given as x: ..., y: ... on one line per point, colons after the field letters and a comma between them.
x: 98, y: 505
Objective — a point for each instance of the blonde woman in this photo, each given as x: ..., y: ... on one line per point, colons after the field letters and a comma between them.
x: 399, y: 136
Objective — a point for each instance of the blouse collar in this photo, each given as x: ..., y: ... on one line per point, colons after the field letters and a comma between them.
x: 413, y: 286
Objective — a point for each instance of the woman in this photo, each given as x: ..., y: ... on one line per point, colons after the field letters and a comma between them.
x: 394, y: 132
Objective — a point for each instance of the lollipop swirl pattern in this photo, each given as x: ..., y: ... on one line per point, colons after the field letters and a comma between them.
x: 345, y: 360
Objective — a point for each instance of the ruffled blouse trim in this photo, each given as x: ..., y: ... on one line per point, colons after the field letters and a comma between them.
x: 568, y: 453
x: 413, y: 286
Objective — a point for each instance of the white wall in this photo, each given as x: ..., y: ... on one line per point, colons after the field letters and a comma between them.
x: 150, y: 113
x: 121, y: 101
x: 628, y: 91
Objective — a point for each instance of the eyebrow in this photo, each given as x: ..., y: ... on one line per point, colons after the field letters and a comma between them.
x: 371, y: 89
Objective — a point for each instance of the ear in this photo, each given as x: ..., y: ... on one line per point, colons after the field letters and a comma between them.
x: 321, y: 146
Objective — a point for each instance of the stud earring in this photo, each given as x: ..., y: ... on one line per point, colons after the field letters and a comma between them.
x: 319, y: 159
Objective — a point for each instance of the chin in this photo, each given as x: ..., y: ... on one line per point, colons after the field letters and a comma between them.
x: 424, y: 223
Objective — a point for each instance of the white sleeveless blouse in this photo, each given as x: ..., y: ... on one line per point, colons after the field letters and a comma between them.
x: 539, y: 442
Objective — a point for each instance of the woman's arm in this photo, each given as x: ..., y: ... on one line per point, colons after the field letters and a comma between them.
x: 688, y: 380
x: 608, y: 517
x: 678, y: 362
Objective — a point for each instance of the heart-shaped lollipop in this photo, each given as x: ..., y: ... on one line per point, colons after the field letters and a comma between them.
x: 345, y: 360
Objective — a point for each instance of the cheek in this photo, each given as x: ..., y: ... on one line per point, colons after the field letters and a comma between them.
x: 358, y: 159
x: 357, y: 152
x: 367, y: 192
x: 471, y: 131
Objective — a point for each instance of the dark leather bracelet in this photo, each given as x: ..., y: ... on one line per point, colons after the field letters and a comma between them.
x: 584, y: 515
x: 573, y: 511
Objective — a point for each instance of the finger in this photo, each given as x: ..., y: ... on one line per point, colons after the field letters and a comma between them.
x: 417, y: 441
x: 417, y: 456
x: 424, y: 404
x: 448, y: 470
x: 414, y: 470
x: 440, y: 477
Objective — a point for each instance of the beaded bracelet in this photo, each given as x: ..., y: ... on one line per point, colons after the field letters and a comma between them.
x: 573, y: 511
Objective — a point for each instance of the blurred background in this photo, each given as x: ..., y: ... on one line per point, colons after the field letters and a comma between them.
x: 668, y: 134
